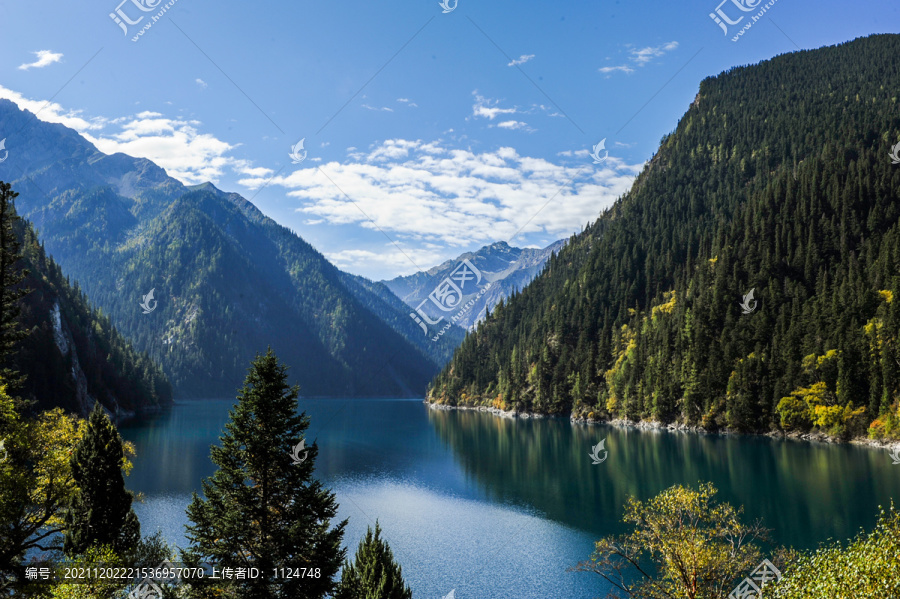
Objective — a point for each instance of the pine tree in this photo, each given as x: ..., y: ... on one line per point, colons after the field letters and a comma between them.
x: 100, y: 513
x: 262, y: 507
x: 11, y: 276
x: 373, y: 574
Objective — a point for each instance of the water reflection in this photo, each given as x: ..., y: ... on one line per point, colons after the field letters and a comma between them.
x: 806, y: 492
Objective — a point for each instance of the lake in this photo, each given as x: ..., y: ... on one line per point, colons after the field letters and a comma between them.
x: 498, y: 508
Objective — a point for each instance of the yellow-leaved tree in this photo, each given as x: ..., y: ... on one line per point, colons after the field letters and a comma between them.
x: 685, y: 545
x: 36, y: 482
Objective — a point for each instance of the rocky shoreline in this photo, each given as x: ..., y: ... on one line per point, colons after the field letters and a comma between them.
x: 813, y: 437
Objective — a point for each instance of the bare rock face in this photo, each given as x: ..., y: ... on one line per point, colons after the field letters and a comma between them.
x: 66, y: 346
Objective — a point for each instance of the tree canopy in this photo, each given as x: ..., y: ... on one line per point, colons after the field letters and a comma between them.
x: 777, y: 180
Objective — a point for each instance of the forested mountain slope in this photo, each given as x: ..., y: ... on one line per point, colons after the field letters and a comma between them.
x: 227, y: 280
x: 379, y: 299
x: 71, y: 355
x: 777, y: 179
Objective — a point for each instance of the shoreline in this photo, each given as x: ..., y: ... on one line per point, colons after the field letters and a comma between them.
x: 810, y: 437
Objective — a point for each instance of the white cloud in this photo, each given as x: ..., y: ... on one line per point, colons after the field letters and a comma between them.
x: 640, y: 57
x: 512, y: 125
x: 44, y: 58
x: 645, y: 55
x: 624, y: 68
x: 487, y: 108
x: 408, y: 102
x: 490, y: 109
x: 201, y: 83
x: 426, y: 193
x: 391, y: 259
x: 521, y: 60
x: 382, y: 109
x: 243, y: 167
x: 52, y: 112
x: 174, y: 144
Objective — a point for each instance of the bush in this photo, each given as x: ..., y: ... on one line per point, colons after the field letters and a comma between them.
x: 869, y: 567
x: 793, y: 413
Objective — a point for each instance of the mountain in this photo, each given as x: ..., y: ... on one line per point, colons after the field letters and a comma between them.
x: 507, y: 268
x: 72, y: 356
x: 227, y: 281
x: 777, y: 180
x: 378, y: 298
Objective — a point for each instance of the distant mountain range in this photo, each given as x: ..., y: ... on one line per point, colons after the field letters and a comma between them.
x: 227, y: 280
x: 508, y: 270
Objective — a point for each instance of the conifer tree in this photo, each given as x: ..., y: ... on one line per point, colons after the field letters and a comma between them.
x: 11, y: 291
x: 262, y: 507
x: 100, y: 513
x: 373, y: 574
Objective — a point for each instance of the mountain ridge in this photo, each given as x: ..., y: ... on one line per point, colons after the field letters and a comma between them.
x: 639, y: 316
x: 508, y: 269
x: 228, y: 279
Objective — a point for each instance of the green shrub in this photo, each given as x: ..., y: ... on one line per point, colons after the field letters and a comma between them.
x: 868, y: 568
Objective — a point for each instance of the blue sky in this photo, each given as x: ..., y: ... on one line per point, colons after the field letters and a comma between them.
x: 427, y: 134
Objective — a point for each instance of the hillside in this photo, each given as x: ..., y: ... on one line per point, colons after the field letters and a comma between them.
x: 507, y: 268
x: 227, y: 280
x: 72, y: 356
x: 777, y: 179
x: 380, y: 300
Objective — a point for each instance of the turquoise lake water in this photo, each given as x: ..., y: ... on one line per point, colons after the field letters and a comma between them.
x: 498, y: 508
